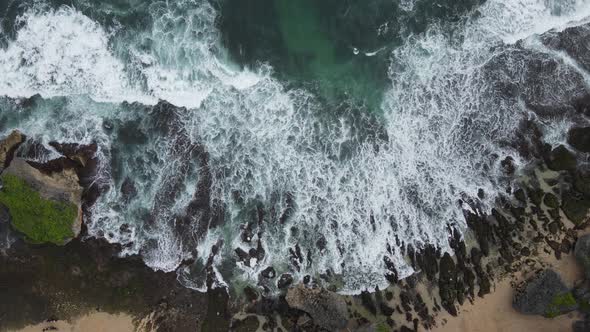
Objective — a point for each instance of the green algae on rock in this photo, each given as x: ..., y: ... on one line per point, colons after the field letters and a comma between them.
x: 560, y: 304
x: 40, y: 220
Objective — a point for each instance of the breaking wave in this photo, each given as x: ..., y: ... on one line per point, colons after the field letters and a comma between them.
x: 343, y: 187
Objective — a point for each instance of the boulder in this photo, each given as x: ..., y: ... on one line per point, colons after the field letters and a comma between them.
x: 561, y: 159
x: 579, y: 138
x: 551, y: 201
x: 327, y: 309
x: 582, y: 253
x: 285, y: 281
x: 8, y: 146
x: 46, y: 208
x: 575, y: 207
x: 544, y: 294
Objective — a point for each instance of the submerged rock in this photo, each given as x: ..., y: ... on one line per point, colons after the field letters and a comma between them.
x: 544, y: 294
x: 285, y: 281
x: 579, y: 138
x: 327, y: 309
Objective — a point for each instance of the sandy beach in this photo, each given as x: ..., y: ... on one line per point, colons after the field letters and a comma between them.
x: 94, y: 322
x: 494, y: 313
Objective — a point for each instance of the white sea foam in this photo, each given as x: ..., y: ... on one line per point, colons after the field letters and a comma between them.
x: 267, y: 143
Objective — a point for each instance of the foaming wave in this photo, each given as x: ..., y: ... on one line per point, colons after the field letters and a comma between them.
x: 515, y: 20
x: 61, y: 52
x: 328, y: 184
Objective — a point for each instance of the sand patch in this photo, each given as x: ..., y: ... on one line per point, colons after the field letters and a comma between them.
x: 495, y: 312
x: 94, y: 322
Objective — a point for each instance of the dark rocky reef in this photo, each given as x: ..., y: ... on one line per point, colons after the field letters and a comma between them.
x: 40, y: 283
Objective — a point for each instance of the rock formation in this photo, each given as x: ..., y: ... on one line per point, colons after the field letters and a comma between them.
x: 43, y: 200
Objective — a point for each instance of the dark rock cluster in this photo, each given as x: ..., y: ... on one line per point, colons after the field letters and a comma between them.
x: 545, y: 294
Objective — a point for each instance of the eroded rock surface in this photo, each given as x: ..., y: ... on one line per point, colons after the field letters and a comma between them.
x: 8, y: 146
x: 327, y: 309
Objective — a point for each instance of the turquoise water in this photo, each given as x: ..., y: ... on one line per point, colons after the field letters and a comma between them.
x: 340, y: 49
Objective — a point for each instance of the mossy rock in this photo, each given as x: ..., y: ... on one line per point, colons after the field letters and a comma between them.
x: 544, y: 294
x: 561, y: 304
x: 40, y: 220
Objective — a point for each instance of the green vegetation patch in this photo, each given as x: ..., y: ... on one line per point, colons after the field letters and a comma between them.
x: 561, y: 304
x: 41, y: 220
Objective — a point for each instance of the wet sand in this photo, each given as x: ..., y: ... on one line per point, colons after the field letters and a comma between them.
x: 94, y: 322
x: 495, y: 313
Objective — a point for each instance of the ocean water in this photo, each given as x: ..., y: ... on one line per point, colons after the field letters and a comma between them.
x: 337, y: 132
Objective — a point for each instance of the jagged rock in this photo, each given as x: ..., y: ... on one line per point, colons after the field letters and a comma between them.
x: 561, y: 159
x: 569, y: 40
x: 447, y: 284
x: 582, y: 253
x: 8, y: 147
x: 544, y: 294
x: 579, y: 138
x: 285, y: 281
x: 508, y: 165
x: 269, y: 272
x: 327, y: 309
x: 128, y: 190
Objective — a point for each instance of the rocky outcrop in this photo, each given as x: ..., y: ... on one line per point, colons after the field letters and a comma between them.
x: 447, y: 284
x: 544, y: 294
x: 327, y: 309
x: 45, y: 208
x: 45, y: 200
x: 8, y: 146
x: 568, y: 41
x: 582, y: 252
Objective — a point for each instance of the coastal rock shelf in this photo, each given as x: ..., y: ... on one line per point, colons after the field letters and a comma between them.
x: 295, y: 165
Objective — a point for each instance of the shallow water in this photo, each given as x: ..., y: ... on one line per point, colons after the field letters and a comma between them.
x: 347, y: 134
